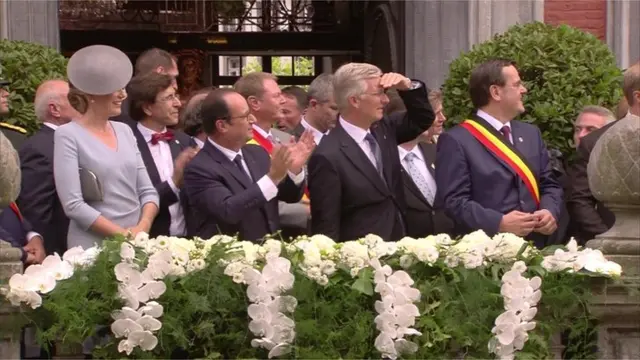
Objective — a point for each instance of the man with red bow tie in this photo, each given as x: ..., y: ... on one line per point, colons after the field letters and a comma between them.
x: 154, y: 106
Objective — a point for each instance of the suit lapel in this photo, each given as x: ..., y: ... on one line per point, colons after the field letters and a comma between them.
x: 359, y: 159
x: 499, y: 136
x: 227, y: 164
x: 176, y: 148
x: 147, y: 158
x: 251, y: 164
x: 413, y: 188
x: 429, y: 153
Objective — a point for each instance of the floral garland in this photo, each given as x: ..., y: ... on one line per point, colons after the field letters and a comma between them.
x: 269, y: 307
x: 396, y: 311
x: 521, y: 295
x: 268, y: 276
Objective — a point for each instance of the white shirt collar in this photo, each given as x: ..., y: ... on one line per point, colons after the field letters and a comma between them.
x: 357, y: 133
x: 147, y: 133
x: 497, y: 124
x: 317, y: 134
x: 230, y: 154
x: 416, y: 151
x: 50, y: 125
x: 198, y: 142
x: 260, y: 131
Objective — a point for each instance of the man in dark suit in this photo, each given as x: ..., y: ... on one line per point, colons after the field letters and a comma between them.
x: 17, y: 230
x: 154, y: 106
x: 151, y: 60
x: 589, y: 217
x: 38, y: 199
x: 234, y: 187
x: 355, y: 181
x: 493, y: 173
x: 418, y: 159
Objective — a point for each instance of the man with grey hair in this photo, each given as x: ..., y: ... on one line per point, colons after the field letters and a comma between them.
x: 322, y: 110
x: 38, y: 199
x: 355, y: 178
x: 592, y: 117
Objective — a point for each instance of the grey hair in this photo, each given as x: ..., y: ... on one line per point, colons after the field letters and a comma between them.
x: 599, y: 110
x: 321, y: 88
x: 42, y: 101
x: 349, y: 80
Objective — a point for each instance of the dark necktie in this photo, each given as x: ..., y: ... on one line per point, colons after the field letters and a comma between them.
x: 164, y: 136
x: 238, y: 161
x: 506, y: 132
x: 375, y: 148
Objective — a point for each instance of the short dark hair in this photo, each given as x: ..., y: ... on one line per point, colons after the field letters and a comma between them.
x: 191, y: 114
x: 143, y: 89
x: 151, y: 59
x: 301, y: 96
x: 214, y: 107
x: 484, y: 76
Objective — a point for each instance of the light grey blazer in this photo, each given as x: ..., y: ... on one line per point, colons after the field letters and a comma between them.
x: 125, y: 182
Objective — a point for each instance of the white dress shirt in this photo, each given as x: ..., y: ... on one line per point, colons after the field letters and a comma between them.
x: 267, y: 187
x: 50, y: 125
x: 161, y: 153
x: 421, y: 164
x: 317, y: 134
x: 358, y: 134
x: 497, y: 124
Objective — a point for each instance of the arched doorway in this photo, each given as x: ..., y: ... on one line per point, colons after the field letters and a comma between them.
x: 384, y: 38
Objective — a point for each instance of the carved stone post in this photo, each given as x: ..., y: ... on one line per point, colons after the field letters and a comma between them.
x: 614, y: 178
x: 9, y: 264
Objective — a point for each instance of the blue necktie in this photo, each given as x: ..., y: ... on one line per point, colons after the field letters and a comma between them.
x: 375, y: 148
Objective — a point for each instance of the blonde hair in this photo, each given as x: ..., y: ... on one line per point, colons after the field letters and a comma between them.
x: 252, y: 84
x: 349, y: 79
x: 631, y: 82
x: 78, y: 99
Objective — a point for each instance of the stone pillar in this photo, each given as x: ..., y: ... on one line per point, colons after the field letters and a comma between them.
x: 613, y: 171
x: 623, y: 27
x: 9, y: 264
x: 438, y: 31
x: 30, y: 20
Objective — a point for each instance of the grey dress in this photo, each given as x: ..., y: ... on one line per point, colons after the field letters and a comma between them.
x: 125, y: 182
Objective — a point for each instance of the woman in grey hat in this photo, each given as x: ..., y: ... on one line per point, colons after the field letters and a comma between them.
x: 100, y: 177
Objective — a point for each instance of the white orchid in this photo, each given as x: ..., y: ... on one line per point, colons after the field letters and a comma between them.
x: 58, y: 268
x: 396, y: 310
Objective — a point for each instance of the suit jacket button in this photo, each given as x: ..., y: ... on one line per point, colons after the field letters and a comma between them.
x: 433, y: 212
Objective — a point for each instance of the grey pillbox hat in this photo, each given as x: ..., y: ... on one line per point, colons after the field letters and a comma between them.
x: 99, y: 70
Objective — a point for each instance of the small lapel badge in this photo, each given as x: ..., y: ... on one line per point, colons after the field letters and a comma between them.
x: 520, y: 139
x: 433, y: 166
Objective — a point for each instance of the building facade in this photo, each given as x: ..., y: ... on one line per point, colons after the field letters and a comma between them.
x: 419, y: 38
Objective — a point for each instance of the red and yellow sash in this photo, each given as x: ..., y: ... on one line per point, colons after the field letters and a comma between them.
x: 496, y: 144
x: 258, y: 139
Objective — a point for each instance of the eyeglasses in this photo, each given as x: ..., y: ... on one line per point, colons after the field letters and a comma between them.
x: 171, y: 98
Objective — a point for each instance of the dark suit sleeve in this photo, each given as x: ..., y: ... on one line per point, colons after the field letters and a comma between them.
x: 325, y: 197
x: 454, y: 188
x: 208, y: 193
x: 581, y: 203
x: 418, y: 117
x: 38, y: 191
x: 289, y: 192
x: 4, y: 235
x: 166, y: 194
x: 551, y: 193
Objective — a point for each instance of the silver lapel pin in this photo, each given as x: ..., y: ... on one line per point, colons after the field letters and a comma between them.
x: 520, y: 139
x: 178, y: 142
x: 433, y: 166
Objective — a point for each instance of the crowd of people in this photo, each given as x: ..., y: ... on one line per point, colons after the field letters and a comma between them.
x: 358, y: 152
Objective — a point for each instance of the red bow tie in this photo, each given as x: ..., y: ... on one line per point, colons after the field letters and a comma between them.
x: 165, y: 136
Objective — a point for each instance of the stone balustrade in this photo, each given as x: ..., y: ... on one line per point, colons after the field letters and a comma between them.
x: 9, y: 264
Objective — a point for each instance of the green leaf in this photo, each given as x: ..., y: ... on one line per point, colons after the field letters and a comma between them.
x: 364, y: 282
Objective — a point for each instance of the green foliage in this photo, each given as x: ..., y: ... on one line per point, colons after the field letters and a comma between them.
x: 281, y: 66
x: 562, y: 67
x: 27, y: 65
x: 205, y: 312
